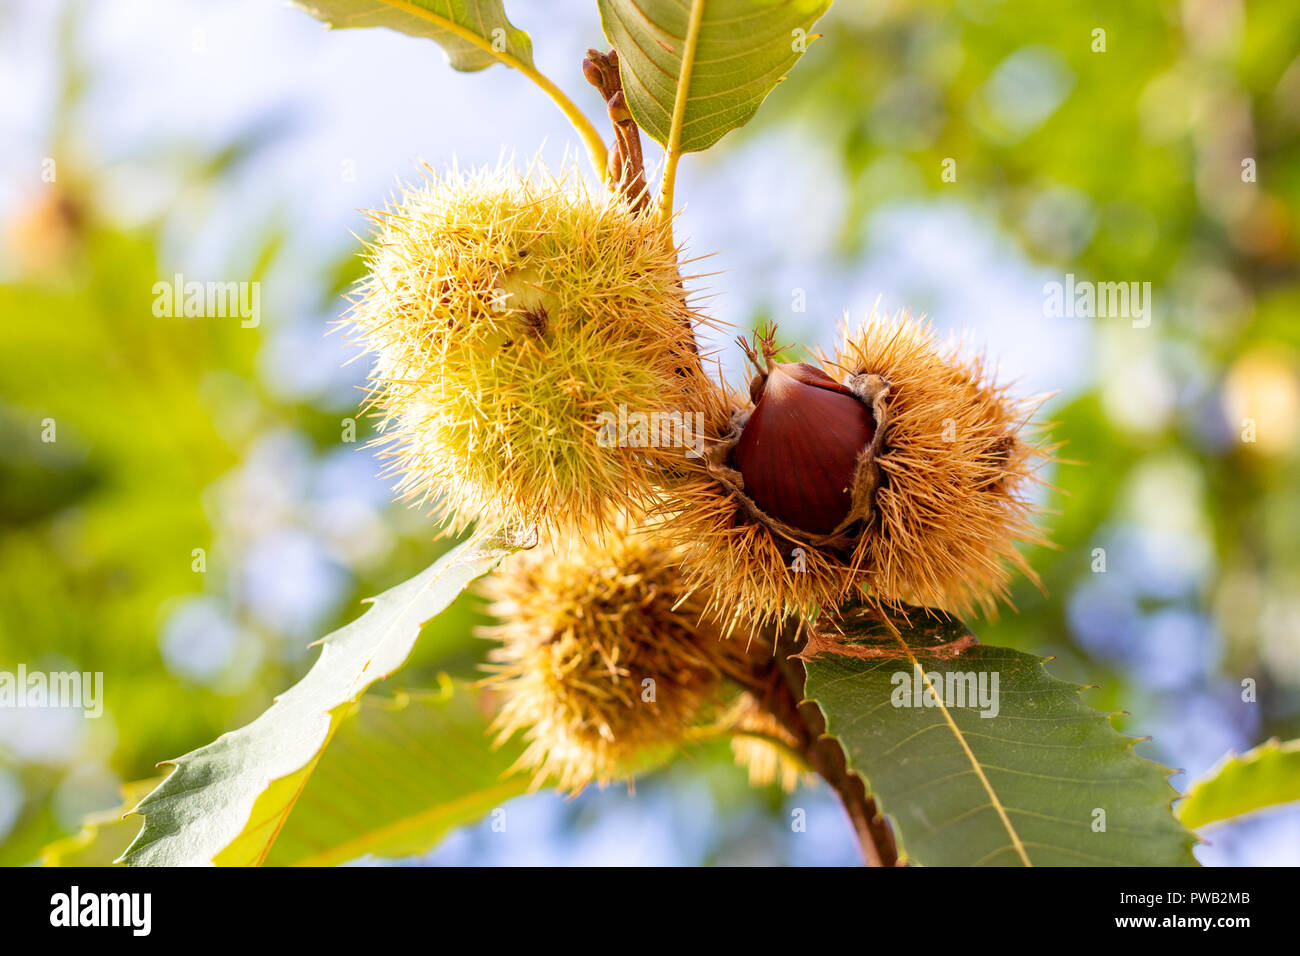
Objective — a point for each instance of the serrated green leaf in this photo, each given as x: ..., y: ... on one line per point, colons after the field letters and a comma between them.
x: 398, y: 776
x: 102, y: 836
x: 1264, y: 777
x: 226, y: 802
x: 400, y: 773
x: 1020, y: 787
x: 472, y: 33
x: 742, y: 49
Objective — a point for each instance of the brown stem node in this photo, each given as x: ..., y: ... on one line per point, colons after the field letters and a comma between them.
x: 626, y: 172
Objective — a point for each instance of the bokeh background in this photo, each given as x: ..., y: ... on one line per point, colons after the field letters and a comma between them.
x: 239, y: 141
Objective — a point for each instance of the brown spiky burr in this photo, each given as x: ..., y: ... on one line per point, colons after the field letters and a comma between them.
x: 604, y: 661
x: 510, y: 316
x: 893, y: 471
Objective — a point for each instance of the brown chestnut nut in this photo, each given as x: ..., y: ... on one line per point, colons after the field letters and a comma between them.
x: 799, y: 449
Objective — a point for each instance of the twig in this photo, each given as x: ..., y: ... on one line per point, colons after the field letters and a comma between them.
x: 780, y: 688
x: 626, y: 170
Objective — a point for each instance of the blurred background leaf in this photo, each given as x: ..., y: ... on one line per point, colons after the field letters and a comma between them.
x: 1267, y: 776
x: 235, y: 140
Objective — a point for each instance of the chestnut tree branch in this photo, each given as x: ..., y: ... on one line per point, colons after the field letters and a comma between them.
x: 780, y: 688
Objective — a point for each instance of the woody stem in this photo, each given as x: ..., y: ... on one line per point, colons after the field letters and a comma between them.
x: 626, y: 166
x: 783, y: 696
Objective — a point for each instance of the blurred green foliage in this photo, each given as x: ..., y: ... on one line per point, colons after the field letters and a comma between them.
x: 1119, y: 165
